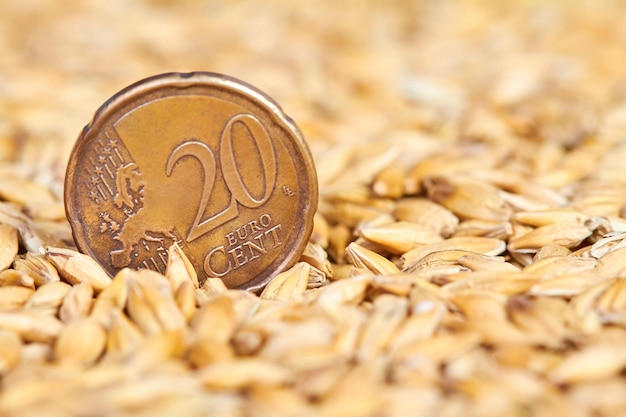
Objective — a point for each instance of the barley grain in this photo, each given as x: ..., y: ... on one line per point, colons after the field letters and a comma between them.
x: 400, y: 237
x: 540, y: 218
x: 469, y: 199
x: 76, y: 303
x: 179, y: 269
x: 467, y: 257
x: 12, y: 297
x: 484, y: 228
x: 31, y: 326
x: 48, y: 296
x: 317, y: 257
x: 123, y: 335
x: 76, y: 267
x: 592, y: 363
x: 10, y: 351
x: 369, y: 260
x: 478, y: 262
x: 244, y: 373
x: 565, y: 234
x: 38, y: 267
x: 481, y: 245
x: 428, y: 214
x: 80, y: 342
x: 8, y: 245
x: 389, y: 312
x: 185, y: 298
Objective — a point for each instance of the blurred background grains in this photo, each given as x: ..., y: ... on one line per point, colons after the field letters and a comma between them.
x: 469, y: 252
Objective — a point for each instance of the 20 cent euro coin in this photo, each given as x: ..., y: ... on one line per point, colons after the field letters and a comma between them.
x: 200, y: 159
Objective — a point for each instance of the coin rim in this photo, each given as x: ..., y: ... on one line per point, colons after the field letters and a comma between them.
x: 209, y: 79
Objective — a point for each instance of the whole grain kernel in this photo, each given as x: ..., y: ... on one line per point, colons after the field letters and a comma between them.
x: 467, y: 254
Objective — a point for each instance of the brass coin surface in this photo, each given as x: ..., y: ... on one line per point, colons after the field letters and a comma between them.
x: 201, y: 159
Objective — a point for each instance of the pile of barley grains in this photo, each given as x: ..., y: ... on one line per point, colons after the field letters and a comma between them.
x: 469, y: 252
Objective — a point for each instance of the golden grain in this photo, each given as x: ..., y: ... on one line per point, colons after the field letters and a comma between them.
x: 389, y: 312
x: 424, y: 320
x: 203, y: 352
x: 316, y: 278
x: 441, y: 348
x: 11, y: 277
x: 481, y: 245
x: 332, y: 163
x: 484, y: 228
x: 21, y: 191
x: 305, y: 346
x: 614, y: 298
x: 8, y: 245
x: 440, y: 260
x: 515, y: 183
x: 213, y: 286
x: 344, y: 291
x: 32, y: 236
x: 113, y: 296
x: 469, y: 199
x: 10, y: 350
x: 478, y: 262
x: 509, y: 284
x: 541, y: 319
x: 321, y: 231
x: 185, y: 297
x: 243, y: 373
x: 49, y: 296
x: 179, y: 269
x: 13, y: 297
x: 400, y: 237
x: 603, y: 394
x: 449, y: 163
x: 38, y: 267
x: 554, y: 266
x: 123, y: 335
x: 549, y: 251
x: 289, y: 284
x: 356, y: 397
x: 369, y: 260
x: 467, y: 257
x: 607, y: 244
x: 215, y: 320
x: 367, y: 163
x: 76, y: 303
x: 80, y: 342
x: 317, y: 257
x: 540, y: 218
x: 566, y: 234
x: 389, y: 182
x: 590, y: 364
x: 428, y: 214
x: 158, y: 349
x: 151, y: 303
x: 76, y: 267
x: 340, y: 237
x: 612, y: 264
x: 140, y: 312
x: 349, y: 321
x: 31, y: 326
x: 565, y: 285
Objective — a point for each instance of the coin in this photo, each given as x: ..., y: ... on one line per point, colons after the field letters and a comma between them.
x: 200, y: 159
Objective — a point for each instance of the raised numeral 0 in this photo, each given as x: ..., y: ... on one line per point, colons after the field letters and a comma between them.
x: 240, y: 193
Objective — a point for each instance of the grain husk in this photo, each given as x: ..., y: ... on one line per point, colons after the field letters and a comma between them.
x: 467, y: 257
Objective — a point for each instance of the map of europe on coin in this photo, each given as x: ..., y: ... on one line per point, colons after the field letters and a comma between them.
x: 200, y: 159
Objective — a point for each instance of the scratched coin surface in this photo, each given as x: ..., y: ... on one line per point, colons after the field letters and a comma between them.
x: 201, y: 159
